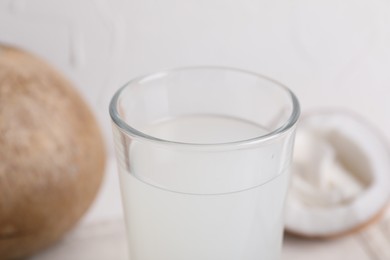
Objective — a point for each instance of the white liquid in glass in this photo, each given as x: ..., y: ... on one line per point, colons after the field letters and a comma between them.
x: 171, y: 217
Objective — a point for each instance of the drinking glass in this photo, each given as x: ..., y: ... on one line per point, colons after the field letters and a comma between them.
x: 203, y: 155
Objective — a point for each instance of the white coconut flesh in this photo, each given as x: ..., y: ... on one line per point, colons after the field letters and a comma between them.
x: 340, y: 176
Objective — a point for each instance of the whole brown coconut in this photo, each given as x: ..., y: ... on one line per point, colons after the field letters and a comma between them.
x: 51, y: 155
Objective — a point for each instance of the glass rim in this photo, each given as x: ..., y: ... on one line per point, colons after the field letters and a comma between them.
x: 133, y: 132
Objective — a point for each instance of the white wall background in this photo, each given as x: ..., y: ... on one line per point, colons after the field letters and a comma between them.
x: 332, y: 53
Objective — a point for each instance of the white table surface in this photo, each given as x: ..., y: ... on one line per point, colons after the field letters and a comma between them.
x: 101, y: 236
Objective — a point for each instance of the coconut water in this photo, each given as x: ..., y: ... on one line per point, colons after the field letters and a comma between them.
x: 195, y: 204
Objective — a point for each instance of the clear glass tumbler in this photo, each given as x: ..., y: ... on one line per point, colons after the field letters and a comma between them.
x: 203, y: 156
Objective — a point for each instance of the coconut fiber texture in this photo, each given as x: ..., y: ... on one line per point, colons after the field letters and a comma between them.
x: 52, y: 155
